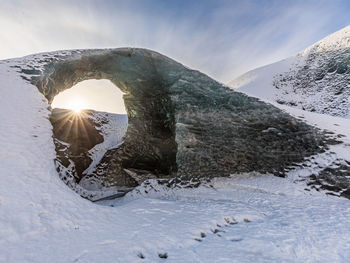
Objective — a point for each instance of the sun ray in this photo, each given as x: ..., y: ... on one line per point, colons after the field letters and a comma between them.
x: 77, y: 105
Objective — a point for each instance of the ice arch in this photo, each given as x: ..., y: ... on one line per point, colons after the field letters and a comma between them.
x: 149, y: 144
x: 181, y: 122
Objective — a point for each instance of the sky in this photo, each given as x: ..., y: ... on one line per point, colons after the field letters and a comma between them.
x: 220, y: 38
x: 100, y: 95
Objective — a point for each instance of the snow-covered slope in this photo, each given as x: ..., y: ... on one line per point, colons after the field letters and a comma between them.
x: 112, y: 127
x: 250, y: 218
x: 316, y: 79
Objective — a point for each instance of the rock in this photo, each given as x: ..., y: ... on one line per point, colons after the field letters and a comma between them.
x: 335, y: 178
x: 79, y: 133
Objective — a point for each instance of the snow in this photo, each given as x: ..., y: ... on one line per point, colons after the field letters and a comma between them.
x: 335, y: 41
x: 113, y: 128
x: 259, y: 82
x: 244, y: 218
x: 315, y: 79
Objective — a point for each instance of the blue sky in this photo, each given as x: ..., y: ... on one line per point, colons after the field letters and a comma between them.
x: 220, y: 38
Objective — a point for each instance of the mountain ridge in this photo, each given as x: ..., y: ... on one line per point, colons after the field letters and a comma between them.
x: 315, y: 79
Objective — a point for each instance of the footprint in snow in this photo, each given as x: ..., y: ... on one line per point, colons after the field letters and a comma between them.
x: 163, y: 255
x: 160, y: 255
x: 140, y: 255
x: 219, y: 232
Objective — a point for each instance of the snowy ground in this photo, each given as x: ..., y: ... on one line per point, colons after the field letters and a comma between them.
x: 246, y: 218
x: 259, y: 82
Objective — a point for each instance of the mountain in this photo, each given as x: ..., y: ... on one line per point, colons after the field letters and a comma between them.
x: 316, y: 79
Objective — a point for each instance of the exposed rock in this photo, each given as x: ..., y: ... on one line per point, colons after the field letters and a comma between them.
x: 182, y: 123
x: 82, y: 140
x: 75, y: 135
x: 334, y: 179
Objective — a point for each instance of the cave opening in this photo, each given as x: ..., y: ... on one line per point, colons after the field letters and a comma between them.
x: 89, y: 119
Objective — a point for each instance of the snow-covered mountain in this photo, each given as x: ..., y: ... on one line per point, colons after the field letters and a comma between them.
x: 317, y: 79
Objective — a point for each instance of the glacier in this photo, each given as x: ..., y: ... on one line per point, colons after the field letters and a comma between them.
x: 243, y: 217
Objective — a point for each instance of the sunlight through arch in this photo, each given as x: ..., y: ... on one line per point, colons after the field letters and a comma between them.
x: 100, y: 95
x: 77, y: 105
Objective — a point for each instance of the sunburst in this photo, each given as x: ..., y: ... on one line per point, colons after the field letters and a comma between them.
x: 77, y: 105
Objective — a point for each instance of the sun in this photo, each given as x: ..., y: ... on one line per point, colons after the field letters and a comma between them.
x: 77, y: 105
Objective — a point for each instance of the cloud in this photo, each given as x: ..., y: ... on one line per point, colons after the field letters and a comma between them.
x: 221, y: 38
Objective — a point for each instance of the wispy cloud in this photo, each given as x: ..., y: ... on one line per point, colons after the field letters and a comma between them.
x: 221, y: 38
